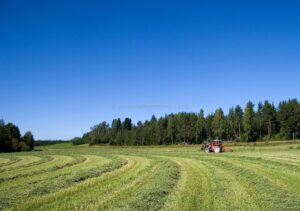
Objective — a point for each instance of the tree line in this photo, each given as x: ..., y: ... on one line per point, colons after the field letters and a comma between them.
x: 266, y: 122
x: 11, y: 139
x: 48, y: 142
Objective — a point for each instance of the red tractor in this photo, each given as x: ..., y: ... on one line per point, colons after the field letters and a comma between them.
x: 215, y: 146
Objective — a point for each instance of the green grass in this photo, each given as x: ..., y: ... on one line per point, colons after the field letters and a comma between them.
x: 67, y: 177
x: 60, y: 146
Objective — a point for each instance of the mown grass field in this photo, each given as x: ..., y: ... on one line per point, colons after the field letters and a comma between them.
x: 61, y: 177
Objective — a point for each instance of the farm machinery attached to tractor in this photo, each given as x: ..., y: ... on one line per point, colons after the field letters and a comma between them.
x: 215, y: 146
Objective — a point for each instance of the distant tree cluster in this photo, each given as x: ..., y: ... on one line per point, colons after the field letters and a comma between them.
x: 77, y: 141
x: 267, y: 122
x: 11, y: 139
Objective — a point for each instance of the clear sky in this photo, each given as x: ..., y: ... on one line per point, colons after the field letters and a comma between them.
x: 68, y: 65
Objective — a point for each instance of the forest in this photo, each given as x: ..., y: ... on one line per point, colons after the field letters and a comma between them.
x: 266, y: 122
x: 11, y: 139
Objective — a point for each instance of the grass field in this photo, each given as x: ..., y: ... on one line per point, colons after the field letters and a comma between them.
x: 62, y: 177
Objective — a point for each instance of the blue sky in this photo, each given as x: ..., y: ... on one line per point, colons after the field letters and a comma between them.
x: 68, y: 65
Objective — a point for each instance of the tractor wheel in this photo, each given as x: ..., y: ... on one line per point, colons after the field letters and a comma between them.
x: 217, y: 149
x: 206, y: 150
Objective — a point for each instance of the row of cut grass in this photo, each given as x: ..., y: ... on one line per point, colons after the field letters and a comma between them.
x: 21, y: 161
x: 80, y: 195
x: 53, y: 162
x: 266, y: 194
x: 27, y: 188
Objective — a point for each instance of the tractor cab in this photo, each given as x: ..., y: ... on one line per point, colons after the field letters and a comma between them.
x: 217, y: 143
